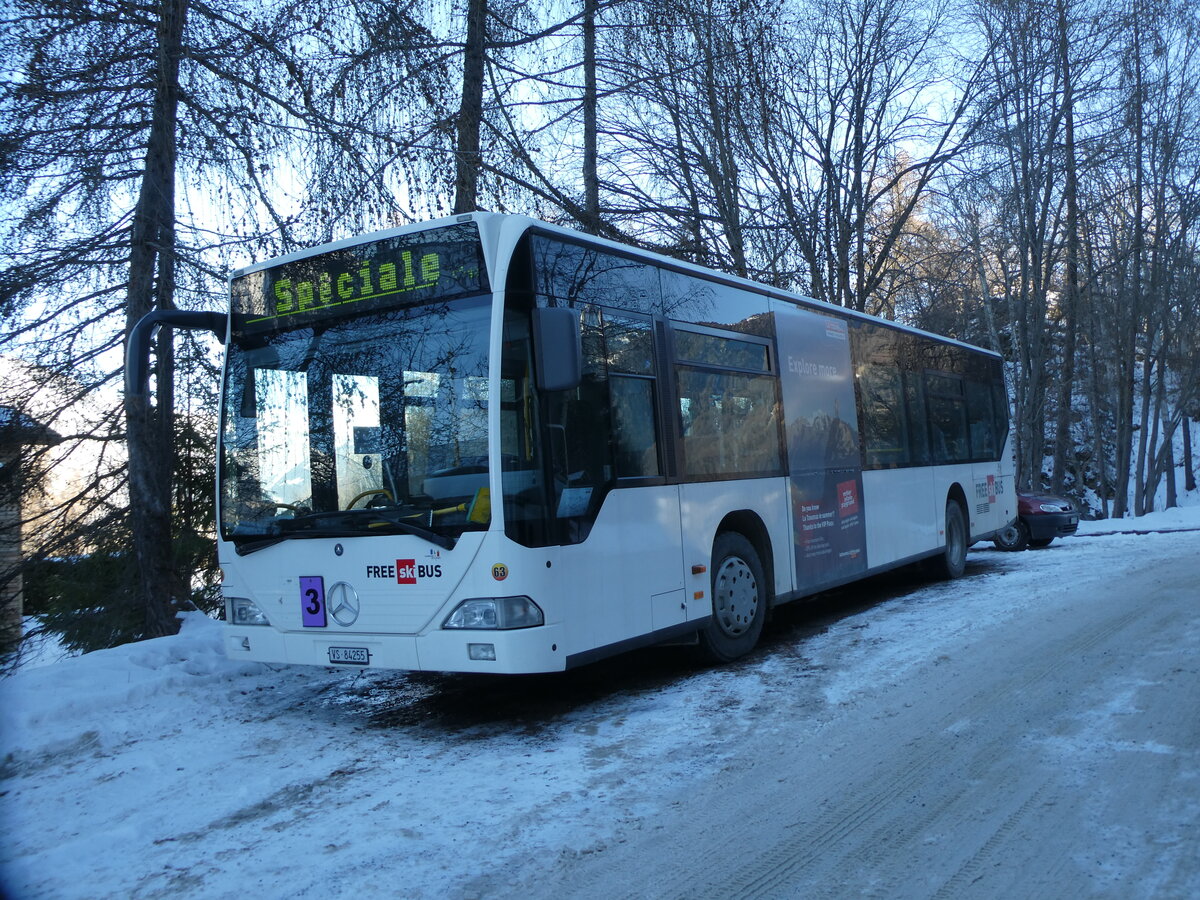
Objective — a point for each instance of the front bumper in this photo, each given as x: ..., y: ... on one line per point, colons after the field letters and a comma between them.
x: 1051, y: 525
x: 519, y: 651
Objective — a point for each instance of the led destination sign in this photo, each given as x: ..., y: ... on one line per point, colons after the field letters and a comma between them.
x: 373, y: 279
x: 398, y: 271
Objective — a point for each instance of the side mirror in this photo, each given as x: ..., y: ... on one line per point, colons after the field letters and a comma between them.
x: 557, y: 348
x: 137, y: 351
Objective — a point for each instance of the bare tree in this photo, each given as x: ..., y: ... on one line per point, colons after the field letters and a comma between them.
x: 114, y: 108
x: 1027, y: 131
x: 470, y: 113
x: 867, y: 111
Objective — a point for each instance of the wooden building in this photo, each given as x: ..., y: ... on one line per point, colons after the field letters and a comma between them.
x: 18, y: 432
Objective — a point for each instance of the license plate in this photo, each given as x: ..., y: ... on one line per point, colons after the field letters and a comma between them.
x: 354, y: 656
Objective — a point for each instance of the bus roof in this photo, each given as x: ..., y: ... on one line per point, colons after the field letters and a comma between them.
x: 497, y: 226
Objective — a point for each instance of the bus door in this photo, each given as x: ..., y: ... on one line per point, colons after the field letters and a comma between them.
x: 606, y: 438
x: 593, y: 482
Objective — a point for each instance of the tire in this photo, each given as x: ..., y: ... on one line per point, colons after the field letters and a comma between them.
x: 953, y: 560
x: 1041, y: 543
x: 739, y: 600
x: 1014, y: 538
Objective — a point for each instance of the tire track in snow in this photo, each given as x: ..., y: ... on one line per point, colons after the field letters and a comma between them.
x: 865, y: 835
x: 985, y: 791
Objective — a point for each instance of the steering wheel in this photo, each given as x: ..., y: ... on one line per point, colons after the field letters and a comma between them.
x: 370, y: 493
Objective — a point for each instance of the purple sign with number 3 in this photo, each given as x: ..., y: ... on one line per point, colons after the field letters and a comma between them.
x: 312, y: 600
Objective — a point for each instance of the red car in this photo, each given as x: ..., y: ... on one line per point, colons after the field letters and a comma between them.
x: 1040, y: 519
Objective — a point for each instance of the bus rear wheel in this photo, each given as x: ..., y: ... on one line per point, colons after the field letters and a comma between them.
x: 953, y: 561
x: 739, y: 600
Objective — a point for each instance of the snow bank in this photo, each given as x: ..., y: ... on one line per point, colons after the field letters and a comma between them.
x: 1184, y: 517
x: 54, y: 705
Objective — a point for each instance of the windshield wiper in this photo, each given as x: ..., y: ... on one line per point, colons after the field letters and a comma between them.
x: 245, y: 547
x: 446, y: 543
x: 307, y: 526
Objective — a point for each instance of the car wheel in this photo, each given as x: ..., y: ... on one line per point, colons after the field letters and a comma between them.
x: 1014, y: 538
x: 1041, y: 542
x: 739, y: 600
x: 953, y: 561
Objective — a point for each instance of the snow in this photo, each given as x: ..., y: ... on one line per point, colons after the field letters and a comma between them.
x: 40, y: 648
x: 1179, y: 518
x: 163, y: 769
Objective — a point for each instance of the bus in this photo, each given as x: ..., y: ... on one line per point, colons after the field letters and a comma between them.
x: 490, y: 444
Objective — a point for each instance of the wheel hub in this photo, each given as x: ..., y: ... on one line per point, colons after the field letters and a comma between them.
x: 735, y: 596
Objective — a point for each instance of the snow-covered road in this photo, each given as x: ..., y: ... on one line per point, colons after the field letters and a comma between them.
x: 1030, y: 730
x: 1052, y: 755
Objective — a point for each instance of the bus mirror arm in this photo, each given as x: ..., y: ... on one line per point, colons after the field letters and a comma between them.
x: 558, y: 348
x: 137, y: 352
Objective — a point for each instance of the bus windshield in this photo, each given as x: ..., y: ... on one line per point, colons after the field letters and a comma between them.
x: 369, y: 425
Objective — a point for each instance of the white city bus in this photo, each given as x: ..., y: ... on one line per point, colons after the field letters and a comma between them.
x: 488, y: 444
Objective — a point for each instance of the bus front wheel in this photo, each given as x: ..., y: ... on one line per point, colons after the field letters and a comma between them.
x: 739, y: 600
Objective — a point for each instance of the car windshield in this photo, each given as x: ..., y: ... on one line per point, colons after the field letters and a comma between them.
x: 370, y: 425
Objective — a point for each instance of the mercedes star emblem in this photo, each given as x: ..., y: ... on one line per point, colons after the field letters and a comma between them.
x: 343, y: 604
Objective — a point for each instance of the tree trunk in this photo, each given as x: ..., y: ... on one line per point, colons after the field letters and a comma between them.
x: 160, y: 590
x: 470, y: 112
x: 591, y: 177
x: 1189, y: 469
x: 1148, y: 440
x: 1169, y: 469
x: 1127, y: 352
x: 1097, y: 392
x: 1063, y: 442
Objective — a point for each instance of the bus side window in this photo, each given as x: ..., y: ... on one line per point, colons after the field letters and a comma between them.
x: 999, y: 408
x: 730, y: 423
x: 728, y: 403
x: 885, y: 429
x: 981, y: 420
x: 947, y: 418
x: 633, y: 426
x: 629, y: 353
x: 918, y: 420
x: 579, y: 423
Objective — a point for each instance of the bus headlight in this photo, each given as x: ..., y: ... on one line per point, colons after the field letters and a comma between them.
x: 240, y: 611
x: 495, y: 614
